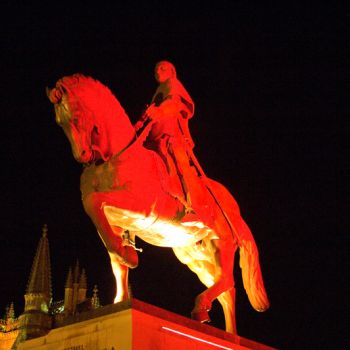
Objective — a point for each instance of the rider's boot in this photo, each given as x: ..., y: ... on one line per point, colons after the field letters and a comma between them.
x: 197, y: 209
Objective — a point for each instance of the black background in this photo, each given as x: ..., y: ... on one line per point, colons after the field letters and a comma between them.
x: 266, y: 80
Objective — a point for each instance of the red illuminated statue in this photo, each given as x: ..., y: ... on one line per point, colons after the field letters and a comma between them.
x: 146, y: 182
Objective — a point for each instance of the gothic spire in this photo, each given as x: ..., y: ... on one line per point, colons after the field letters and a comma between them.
x: 76, y: 272
x: 40, y: 275
x: 10, y: 312
x: 69, y: 280
x: 95, y: 300
x: 36, y: 320
x: 82, y: 280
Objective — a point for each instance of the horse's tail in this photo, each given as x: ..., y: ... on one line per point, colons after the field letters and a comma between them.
x: 248, y: 251
x: 251, y: 272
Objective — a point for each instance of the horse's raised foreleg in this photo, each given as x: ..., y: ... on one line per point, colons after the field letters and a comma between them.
x: 122, y: 257
x: 121, y: 273
x: 111, y: 235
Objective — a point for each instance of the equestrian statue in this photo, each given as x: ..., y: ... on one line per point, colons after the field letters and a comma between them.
x: 144, y: 181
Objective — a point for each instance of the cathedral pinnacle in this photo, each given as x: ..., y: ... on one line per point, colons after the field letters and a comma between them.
x: 10, y: 314
x: 95, y: 300
x: 76, y: 272
x: 40, y: 275
x: 69, y: 280
x: 44, y: 231
x: 82, y: 280
x: 36, y: 320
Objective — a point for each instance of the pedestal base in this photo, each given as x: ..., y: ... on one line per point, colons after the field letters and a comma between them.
x: 135, y: 325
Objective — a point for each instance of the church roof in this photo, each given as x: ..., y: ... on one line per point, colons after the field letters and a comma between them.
x: 40, y: 275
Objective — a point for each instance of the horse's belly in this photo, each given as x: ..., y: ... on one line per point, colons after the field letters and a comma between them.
x: 154, y: 230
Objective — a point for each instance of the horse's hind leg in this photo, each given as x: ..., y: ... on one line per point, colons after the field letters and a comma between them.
x: 223, y: 259
x: 227, y: 301
x: 215, y: 271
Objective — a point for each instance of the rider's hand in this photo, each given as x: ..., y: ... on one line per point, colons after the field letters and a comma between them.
x: 138, y: 125
x: 154, y: 112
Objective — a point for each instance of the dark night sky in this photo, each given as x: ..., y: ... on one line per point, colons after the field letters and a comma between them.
x: 266, y: 80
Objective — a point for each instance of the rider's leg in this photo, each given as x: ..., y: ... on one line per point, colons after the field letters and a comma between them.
x: 196, y: 193
x: 178, y: 154
x: 176, y: 187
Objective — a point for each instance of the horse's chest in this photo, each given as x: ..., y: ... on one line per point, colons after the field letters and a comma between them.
x: 100, y: 178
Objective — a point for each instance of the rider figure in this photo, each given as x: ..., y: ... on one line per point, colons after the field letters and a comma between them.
x: 171, y: 108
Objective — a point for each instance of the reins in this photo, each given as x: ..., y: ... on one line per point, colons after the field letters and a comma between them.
x: 136, y: 140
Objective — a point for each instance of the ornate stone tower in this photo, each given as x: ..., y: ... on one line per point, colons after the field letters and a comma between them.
x: 8, y: 328
x: 36, y: 320
x: 40, y: 313
x: 74, y: 290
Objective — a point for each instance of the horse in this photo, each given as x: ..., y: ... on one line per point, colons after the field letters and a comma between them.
x: 125, y: 192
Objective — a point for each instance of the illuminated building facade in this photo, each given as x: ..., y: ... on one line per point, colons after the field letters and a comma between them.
x: 41, y: 313
x: 9, y: 328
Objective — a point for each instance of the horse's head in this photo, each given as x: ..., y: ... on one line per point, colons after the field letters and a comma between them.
x: 76, y: 122
x: 93, y: 120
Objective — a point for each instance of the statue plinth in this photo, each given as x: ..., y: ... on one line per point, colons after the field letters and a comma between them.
x: 135, y: 325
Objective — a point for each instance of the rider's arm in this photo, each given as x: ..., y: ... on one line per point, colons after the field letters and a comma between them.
x: 171, y: 106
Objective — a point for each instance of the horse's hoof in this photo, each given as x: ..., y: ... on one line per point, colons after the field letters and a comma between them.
x: 129, y: 257
x: 201, y: 316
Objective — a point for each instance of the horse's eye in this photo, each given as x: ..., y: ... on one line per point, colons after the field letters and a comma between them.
x: 75, y: 121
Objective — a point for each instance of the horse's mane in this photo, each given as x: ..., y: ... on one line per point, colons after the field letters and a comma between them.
x: 91, y: 95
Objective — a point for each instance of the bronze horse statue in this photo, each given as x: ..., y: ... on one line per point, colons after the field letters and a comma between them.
x: 124, y: 192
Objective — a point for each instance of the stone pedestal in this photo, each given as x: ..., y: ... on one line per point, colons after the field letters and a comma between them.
x: 135, y: 325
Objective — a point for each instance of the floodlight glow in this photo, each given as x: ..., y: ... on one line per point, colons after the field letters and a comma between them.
x: 195, y: 338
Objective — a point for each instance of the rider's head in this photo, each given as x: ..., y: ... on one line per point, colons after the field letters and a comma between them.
x: 163, y: 71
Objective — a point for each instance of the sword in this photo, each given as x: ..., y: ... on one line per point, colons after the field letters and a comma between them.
x: 205, y: 179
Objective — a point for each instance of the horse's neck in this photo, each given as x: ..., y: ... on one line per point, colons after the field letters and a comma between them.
x: 114, y: 134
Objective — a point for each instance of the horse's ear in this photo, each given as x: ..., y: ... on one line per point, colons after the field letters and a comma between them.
x: 47, y: 90
x: 54, y: 95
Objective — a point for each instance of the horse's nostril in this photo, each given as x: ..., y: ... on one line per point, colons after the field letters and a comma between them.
x: 83, y: 153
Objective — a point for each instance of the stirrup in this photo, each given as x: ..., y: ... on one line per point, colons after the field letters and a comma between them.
x: 127, y: 241
x: 187, y: 205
